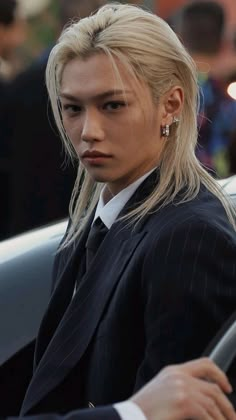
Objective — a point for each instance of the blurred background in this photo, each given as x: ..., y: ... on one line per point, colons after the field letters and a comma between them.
x: 36, y: 179
x: 43, y: 27
x: 43, y: 15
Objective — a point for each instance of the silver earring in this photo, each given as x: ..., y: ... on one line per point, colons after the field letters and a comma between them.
x: 176, y: 120
x: 165, y: 130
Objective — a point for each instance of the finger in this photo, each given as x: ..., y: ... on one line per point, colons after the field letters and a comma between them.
x: 197, y: 411
x: 213, y: 398
x: 222, y: 402
x: 207, y: 395
x: 213, y: 409
x: 209, y: 406
x: 199, y: 407
x: 205, y: 368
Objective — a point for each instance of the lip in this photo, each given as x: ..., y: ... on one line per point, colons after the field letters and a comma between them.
x: 94, y: 154
x: 95, y: 157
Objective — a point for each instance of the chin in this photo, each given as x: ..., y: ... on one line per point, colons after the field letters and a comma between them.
x: 100, y: 178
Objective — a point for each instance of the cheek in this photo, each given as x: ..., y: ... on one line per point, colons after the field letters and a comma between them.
x: 72, y: 128
x: 65, y: 123
x: 74, y: 139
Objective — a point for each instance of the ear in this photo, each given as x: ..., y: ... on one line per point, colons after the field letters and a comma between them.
x: 172, y: 104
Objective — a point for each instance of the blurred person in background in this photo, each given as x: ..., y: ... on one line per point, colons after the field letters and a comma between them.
x: 230, y: 86
x: 201, y: 28
x: 12, y: 35
x: 232, y: 154
x: 41, y: 179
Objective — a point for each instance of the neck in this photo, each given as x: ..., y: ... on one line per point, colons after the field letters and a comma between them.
x: 107, y: 195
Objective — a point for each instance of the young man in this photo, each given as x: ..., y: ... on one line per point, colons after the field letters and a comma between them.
x: 145, y: 274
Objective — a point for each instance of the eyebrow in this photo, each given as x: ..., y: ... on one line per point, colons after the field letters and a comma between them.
x: 102, y: 95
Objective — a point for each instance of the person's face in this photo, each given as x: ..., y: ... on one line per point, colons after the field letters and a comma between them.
x: 112, y: 123
x: 11, y: 37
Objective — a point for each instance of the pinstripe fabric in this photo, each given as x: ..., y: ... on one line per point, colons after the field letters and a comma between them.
x: 101, y: 413
x: 154, y: 294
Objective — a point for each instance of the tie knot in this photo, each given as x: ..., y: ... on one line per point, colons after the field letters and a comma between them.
x: 96, y: 235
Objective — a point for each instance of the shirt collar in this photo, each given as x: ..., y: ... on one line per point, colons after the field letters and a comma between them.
x: 108, y: 212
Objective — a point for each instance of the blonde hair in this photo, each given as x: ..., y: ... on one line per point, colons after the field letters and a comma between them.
x: 148, y: 47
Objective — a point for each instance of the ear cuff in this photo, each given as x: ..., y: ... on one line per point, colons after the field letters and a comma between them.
x: 165, y: 129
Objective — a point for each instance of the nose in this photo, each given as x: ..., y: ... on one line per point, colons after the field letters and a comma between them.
x: 92, y: 129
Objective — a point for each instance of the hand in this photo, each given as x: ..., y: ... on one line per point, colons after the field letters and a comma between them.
x: 193, y: 390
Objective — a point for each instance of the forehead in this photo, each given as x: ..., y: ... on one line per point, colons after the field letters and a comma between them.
x: 95, y: 74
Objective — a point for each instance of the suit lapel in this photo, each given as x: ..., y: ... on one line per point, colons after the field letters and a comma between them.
x: 62, y: 295
x: 82, y: 316
x: 78, y: 325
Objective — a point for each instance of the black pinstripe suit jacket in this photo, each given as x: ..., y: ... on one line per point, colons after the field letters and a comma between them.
x: 155, y: 294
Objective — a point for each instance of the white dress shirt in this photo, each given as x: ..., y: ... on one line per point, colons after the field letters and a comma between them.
x: 108, y: 213
x: 129, y: 411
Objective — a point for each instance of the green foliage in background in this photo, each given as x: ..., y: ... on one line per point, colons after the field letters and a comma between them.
x: 42, y: 32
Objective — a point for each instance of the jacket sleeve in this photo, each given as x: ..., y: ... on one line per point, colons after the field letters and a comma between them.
x: 189, y: 290
x: 100, y: 413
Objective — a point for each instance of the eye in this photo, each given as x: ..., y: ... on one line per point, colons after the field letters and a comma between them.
x: 71, y: 109
x: 114, y: 105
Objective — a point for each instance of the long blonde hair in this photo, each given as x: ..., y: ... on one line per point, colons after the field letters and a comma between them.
x: 148, y: 47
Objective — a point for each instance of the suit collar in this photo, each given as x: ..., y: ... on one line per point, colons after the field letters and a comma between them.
x: 108, y: 212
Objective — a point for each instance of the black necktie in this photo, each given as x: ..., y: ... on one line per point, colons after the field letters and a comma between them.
x: 95, y: 237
